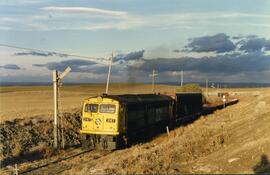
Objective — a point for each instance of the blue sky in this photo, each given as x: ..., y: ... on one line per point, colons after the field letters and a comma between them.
x: 175, y: 31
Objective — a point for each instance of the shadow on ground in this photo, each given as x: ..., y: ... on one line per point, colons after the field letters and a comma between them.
x: 262, y: 167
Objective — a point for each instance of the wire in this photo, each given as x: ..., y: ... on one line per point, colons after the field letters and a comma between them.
x: 56, y: 53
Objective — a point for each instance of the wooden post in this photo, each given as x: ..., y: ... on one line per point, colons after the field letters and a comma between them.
x: 168, y: 132
x: 16, y: 169
x: 224, y: 101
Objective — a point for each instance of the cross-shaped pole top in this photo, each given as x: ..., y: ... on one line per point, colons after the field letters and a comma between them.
x: 153, y: 75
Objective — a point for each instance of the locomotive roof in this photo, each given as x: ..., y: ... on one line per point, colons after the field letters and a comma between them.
x: 139, y: 98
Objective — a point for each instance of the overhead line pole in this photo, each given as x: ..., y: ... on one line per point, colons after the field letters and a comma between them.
x: 206, y: 86
x: 109, y: 74
x: 182, y: 77
x: 153, y: 75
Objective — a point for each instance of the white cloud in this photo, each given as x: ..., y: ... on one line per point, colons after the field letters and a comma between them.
x: 84, y: 10
x: 21, y: 2
x: 5, y: 28
x: 82, y: 18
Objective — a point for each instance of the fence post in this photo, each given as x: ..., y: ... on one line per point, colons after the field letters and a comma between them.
x: 168, y: 132
x: 16, y: 169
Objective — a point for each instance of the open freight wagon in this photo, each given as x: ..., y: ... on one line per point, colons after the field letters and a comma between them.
x: 188, y: 105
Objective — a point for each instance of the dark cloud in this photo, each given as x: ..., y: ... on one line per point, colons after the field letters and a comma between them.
x: 254, y: 45
x: 228, y: 64
x: 176, y: 50
x: 76, y: 65
x: 244, y: 37
x: 43, y: 54
x: 237, y: 37
x: 128, y: 57
x: 218, y: 43
x: 10, y: 66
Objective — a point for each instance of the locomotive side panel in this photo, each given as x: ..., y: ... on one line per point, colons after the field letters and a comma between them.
x: 142, y: 116
x: 136, y: 117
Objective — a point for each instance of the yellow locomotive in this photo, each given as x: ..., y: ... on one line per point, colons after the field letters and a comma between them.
x: 109, y: 121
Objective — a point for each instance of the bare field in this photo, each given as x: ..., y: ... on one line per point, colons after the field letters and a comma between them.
x: 231, y: 140
x: 29, y: 101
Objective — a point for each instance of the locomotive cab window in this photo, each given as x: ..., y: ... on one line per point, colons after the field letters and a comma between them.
x: 107, y: 108
x: 91, y: 108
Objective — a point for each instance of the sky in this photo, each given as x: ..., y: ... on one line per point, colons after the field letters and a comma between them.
x: 218, y: 40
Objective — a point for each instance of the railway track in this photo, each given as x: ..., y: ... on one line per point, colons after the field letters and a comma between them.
x: 62, y: 164
x: 59, y: 163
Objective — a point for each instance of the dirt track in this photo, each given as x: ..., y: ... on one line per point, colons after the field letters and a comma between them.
x: 232, y: 140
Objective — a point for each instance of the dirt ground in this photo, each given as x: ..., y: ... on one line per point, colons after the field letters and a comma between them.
x: 232, y: 140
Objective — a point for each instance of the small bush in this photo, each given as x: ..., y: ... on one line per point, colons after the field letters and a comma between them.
x: 189, y: 88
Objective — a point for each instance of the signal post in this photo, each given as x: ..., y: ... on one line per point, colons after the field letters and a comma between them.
x: 56, y: 81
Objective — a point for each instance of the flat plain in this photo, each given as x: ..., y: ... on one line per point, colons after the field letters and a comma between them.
x: 232, y: 140
x: 29, y: 101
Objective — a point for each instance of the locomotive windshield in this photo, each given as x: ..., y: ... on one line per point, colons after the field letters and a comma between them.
x: 107, y: 108
x: 91, y: 108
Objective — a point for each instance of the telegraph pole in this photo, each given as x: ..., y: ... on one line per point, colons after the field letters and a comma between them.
x: 206, y: 86
x: 217, y: 88
x: 109, y: 74
x: 182, y: 77
x: 153, y: 75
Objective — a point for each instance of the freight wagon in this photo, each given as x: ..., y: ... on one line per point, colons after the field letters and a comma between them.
x: 188, y: 105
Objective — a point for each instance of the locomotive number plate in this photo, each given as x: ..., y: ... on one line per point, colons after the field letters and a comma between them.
x: 110, y: 120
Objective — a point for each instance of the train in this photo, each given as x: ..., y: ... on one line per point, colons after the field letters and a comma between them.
x: 110, y: 121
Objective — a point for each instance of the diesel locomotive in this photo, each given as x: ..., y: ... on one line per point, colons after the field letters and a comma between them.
x: 110, y: 121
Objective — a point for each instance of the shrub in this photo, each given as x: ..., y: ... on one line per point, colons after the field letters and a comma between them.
x: 189, y: 88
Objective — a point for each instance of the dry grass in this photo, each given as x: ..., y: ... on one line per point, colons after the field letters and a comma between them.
x: 29, y: 101
x: 232, y: 140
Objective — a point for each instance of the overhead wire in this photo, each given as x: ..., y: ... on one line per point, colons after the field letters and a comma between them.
x: 61, y: 54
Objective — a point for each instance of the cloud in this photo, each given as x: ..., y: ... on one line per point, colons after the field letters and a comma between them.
x: 86, y: 18
x: 88, y: 10
x: 77, y: 65
x: 10, y: 66
x: 254, y: 44
x: 227, y: 64
x: 43, y: 54
x: 176, y: 50
x: 121, y: 62
x: 218, y: 43
x: 130, y: 56
x: 21, y: 2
